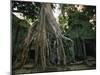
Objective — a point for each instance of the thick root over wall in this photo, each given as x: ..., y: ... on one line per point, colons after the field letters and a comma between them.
x: 46, y: 36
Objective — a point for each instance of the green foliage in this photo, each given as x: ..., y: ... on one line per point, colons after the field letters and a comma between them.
x: 63, y: 22
x: 75, y: 23
x: 29, y: 9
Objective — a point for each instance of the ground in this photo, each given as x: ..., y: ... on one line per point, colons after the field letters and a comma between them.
x: 89, y: 64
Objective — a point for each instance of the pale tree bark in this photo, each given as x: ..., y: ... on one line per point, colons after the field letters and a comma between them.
x: 41, y: 34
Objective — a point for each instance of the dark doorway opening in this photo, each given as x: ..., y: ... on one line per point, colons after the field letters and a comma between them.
x: 90, y: 45
x: 31, y: 56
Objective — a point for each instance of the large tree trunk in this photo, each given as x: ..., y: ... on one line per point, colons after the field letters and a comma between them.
x: 47, y: 37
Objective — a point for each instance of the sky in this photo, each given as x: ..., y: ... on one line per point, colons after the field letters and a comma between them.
x: 56, y: 11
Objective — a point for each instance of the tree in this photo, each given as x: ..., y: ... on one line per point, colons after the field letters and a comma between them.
x: 30, y: 10
x: 46, y: 36
x: 75, y: 21
x: 50, y: 43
